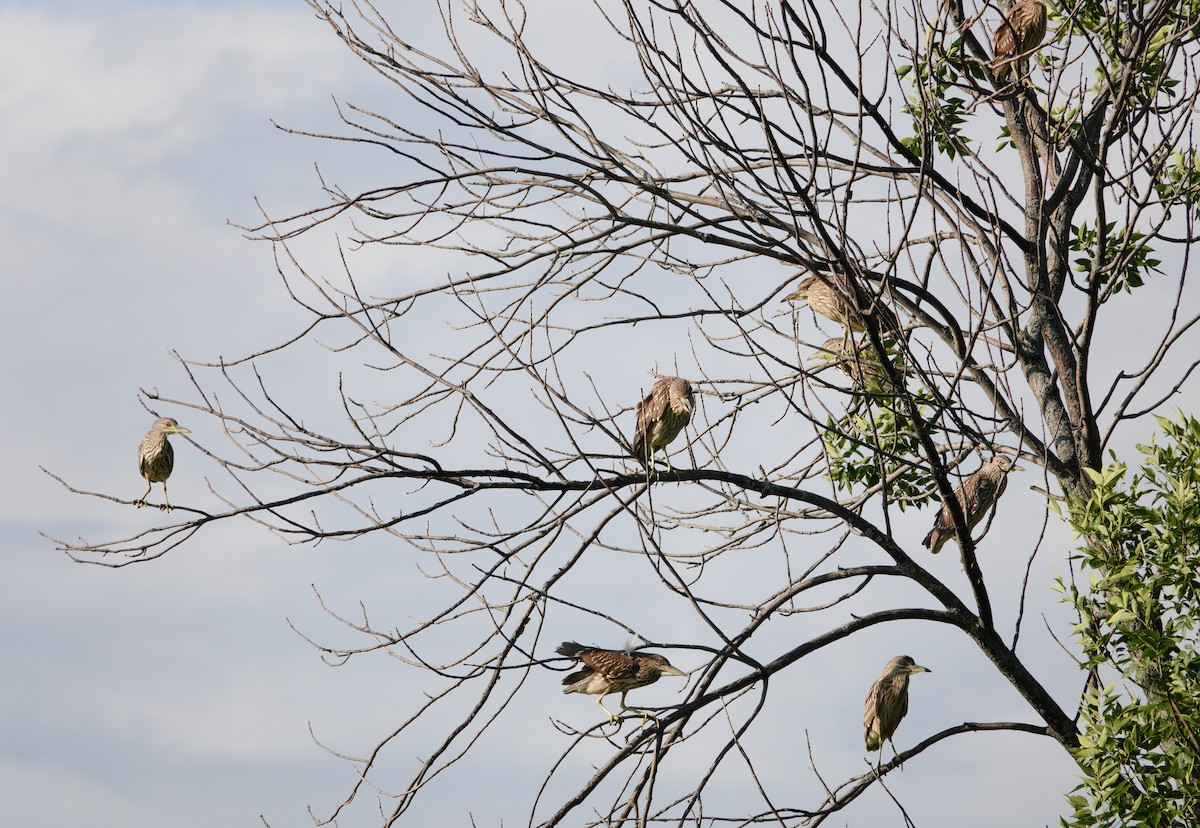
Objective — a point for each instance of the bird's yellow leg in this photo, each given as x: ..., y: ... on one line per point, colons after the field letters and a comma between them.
x: 141, y: 501
x: 645, y: 714
x: 611, y: 716
x: 166, y: 507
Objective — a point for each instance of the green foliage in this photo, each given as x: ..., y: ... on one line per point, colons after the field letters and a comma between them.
x: 869, y: 447
x: 1180, y: 180
x: 1125, y: 256
x: 1140, y: 735
x: 1006, y: 139
x: 1127, y: 47
x: 1064, y: 122
x: 937, y: 115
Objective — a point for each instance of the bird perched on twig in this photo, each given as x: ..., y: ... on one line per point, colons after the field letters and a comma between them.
x: 887, y: 701
x: 835, y: 298
x: 977, y: 494
x: 1019, y: 34
x: 156, y: 458
x: 613, y: 671
x: 860, y: 362
x: 660, y: 417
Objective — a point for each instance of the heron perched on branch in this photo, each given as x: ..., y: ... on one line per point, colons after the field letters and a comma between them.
x: 156, y: 458
x: 860, y: 362
x: 660, y: 417
x: 887, y: 701
x: 836, y: 298
x: 613, y: 671
x: 976, y: 496
x: 1019, y: 34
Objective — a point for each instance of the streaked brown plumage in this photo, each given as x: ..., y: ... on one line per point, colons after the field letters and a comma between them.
x: 832, y: 297
x: 977, y: 494
x: 613, y: 671
x: 860, y: 362
x: 887, y: 701
x: 156, y: 458
x: 1018, y: 35
x: 660, y: 418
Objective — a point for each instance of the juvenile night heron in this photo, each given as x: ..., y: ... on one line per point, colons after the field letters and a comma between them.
x: 1019, y: 34
x: 660, y: 418
x: 977, y: 494
x: 613, y: 671
x: 835, y: 299
x: 859, y: 362
x: 156, y: 458
x: 887, y: 701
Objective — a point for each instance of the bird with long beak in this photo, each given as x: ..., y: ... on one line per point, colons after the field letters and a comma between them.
x: 977, y: 495
x: 156, y: 458
x: 887, y: 702
x: 613, y: 671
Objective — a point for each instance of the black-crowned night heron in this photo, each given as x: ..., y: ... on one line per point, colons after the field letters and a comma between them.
x: 887, y: 702
x: 834, y: 298
x: 977, y: 494
x: 660, y: 418
x: 860, y: 362
x: 614, y: 671
x: 1019, y: 34
x: 156, y: 458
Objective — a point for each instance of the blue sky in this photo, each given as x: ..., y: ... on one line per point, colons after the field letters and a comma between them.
x: 174, y: 693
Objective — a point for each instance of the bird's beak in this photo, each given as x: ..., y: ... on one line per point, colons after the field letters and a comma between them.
x: 917, y: 668
x: 798, y: 296
x: 668, y: 670
x: 180, y: 430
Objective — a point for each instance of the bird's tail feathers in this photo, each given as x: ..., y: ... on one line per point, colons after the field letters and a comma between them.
x: 931, y: 541
x: 570, y: 649
x: 577, y: 676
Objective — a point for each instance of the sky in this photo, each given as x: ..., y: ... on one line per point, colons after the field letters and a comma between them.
x: 176, y: 693
x: 171, y: 695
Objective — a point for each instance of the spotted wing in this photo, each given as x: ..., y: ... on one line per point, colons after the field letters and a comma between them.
x: 943, y: 527
x: 1004, y: 43
x: 1023, y: 29
x: 980, y: 492
x: 857, y: 304
x: 870, y: 717
x: 887, y: 704
x: 571, y: 649
x: 612, y: 664
x: 650, y: 412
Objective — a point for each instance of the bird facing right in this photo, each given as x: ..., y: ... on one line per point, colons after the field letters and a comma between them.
x: 887, y: 701
x: 977, y: 494
x: 156, y: 458
x: 1018, y: 35
x: 613, y: 671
